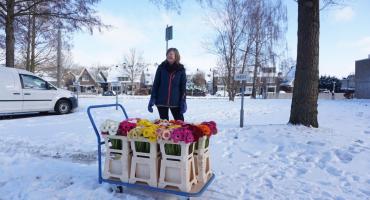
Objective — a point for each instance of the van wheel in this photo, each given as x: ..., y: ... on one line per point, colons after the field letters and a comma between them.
x: 63, y: 107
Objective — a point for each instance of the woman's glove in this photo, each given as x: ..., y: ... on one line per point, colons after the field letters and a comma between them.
x: 183, y: 107
x: 151, y: 104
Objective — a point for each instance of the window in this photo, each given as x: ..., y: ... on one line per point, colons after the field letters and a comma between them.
x: 85, y: 78
x: 122, y: 78
x: 33, y: 82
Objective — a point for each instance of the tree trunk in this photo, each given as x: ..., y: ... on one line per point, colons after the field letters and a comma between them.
x: 9, y: 31
x: 59, y: 58
x: 305, y: 92
x: 33, y: 42
x: 256, y: 65
x: 28, y: 40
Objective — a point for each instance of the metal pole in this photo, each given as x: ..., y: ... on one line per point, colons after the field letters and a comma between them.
x: 166, y: 39
x: 59, y: 58
x: 78, y: 89
x: 117, y: 101
x: 242, y: 106
x: 333, y: 95
x: 213, y: 82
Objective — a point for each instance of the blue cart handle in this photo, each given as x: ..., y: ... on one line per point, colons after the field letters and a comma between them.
x: 102, y: 106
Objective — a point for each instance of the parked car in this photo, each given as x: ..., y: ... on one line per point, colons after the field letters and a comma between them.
x: 222, y: 93
x: 196, y: 93
x: 109, y: 93
x: 23, y: 91
x: 324, y: 91
x: 240, y: 94
x: 142, y: 91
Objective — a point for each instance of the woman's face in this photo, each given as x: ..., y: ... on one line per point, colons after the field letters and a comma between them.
x: 171, y: 57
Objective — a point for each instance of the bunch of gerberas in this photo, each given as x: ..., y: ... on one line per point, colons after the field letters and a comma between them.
x: 127, y: 125
x: 174, y: 131
x: 208, y: 128
x: 109, y: 127
x: 144, y: 129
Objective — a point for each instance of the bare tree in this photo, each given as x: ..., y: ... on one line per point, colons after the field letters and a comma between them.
x: 230, y: 32
x: 248, y: 34
x: 35, y: 41
x: 269, y: 19
x: 199, y: 79
x: 133, y: 66
x: 71, y: 14
x: 169, y: 4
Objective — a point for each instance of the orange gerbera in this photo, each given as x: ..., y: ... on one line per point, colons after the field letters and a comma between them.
x: 205, y: 129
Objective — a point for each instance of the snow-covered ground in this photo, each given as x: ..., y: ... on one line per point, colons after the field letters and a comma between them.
x: 54, y: 157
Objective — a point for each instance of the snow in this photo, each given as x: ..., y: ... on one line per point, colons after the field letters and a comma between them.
x: 54, y: 157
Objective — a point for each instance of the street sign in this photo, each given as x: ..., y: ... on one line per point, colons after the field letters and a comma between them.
x: 168, y: 33
x: 116, y: 84
x: 241, y: 77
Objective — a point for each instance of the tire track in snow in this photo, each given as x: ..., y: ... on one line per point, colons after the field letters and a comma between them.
x: 41, y: 151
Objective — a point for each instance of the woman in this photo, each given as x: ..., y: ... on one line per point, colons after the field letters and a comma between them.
x: 169, y: 87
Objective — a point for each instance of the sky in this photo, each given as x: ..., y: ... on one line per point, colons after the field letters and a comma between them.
x: 139, y: 24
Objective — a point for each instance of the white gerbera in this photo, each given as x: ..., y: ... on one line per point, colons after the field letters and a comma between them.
x: 109, y: 126
x: 113, y: 127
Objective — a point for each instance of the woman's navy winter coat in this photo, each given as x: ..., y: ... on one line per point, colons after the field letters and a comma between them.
x: 169, y: 86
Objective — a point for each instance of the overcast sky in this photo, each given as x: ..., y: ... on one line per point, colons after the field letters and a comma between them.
x: 345, y: 35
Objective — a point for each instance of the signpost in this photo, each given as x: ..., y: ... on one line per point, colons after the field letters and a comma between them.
x: 116, y: 84
x: 77, y: 86
x: 243, y: 78
x: 169, y: 31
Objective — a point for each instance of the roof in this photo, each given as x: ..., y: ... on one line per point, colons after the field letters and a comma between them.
x: 81, y: 73
x: 115, y: 72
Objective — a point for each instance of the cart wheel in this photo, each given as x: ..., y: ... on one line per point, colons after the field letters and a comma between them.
x: 119, y: 189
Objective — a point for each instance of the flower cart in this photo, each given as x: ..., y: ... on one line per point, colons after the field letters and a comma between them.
x: 147, y: 156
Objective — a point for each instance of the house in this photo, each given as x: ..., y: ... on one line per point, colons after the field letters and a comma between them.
x: 348, y: 83
x: 266, y: 81
x: 68, y: 79
x: 362, y: 79
x: 288, y: 80
x: 89, y: 83
x: 117, y: 74
x: 146, y: 79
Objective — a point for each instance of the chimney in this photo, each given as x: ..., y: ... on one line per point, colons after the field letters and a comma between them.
x: 369, y: 56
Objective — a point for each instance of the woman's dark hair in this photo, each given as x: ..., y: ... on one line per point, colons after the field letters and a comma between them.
x: 177, y: 54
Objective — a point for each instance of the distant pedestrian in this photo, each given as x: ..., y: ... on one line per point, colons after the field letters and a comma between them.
x: 169, y: 87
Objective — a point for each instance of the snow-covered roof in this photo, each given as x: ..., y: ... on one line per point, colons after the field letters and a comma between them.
x: 114, y: 73
x: 81, y: 73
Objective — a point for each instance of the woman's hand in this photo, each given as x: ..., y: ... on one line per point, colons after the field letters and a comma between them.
x: 150, y: 105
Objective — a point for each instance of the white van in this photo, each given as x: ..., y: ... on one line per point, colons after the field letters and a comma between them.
x: 22, y: 91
